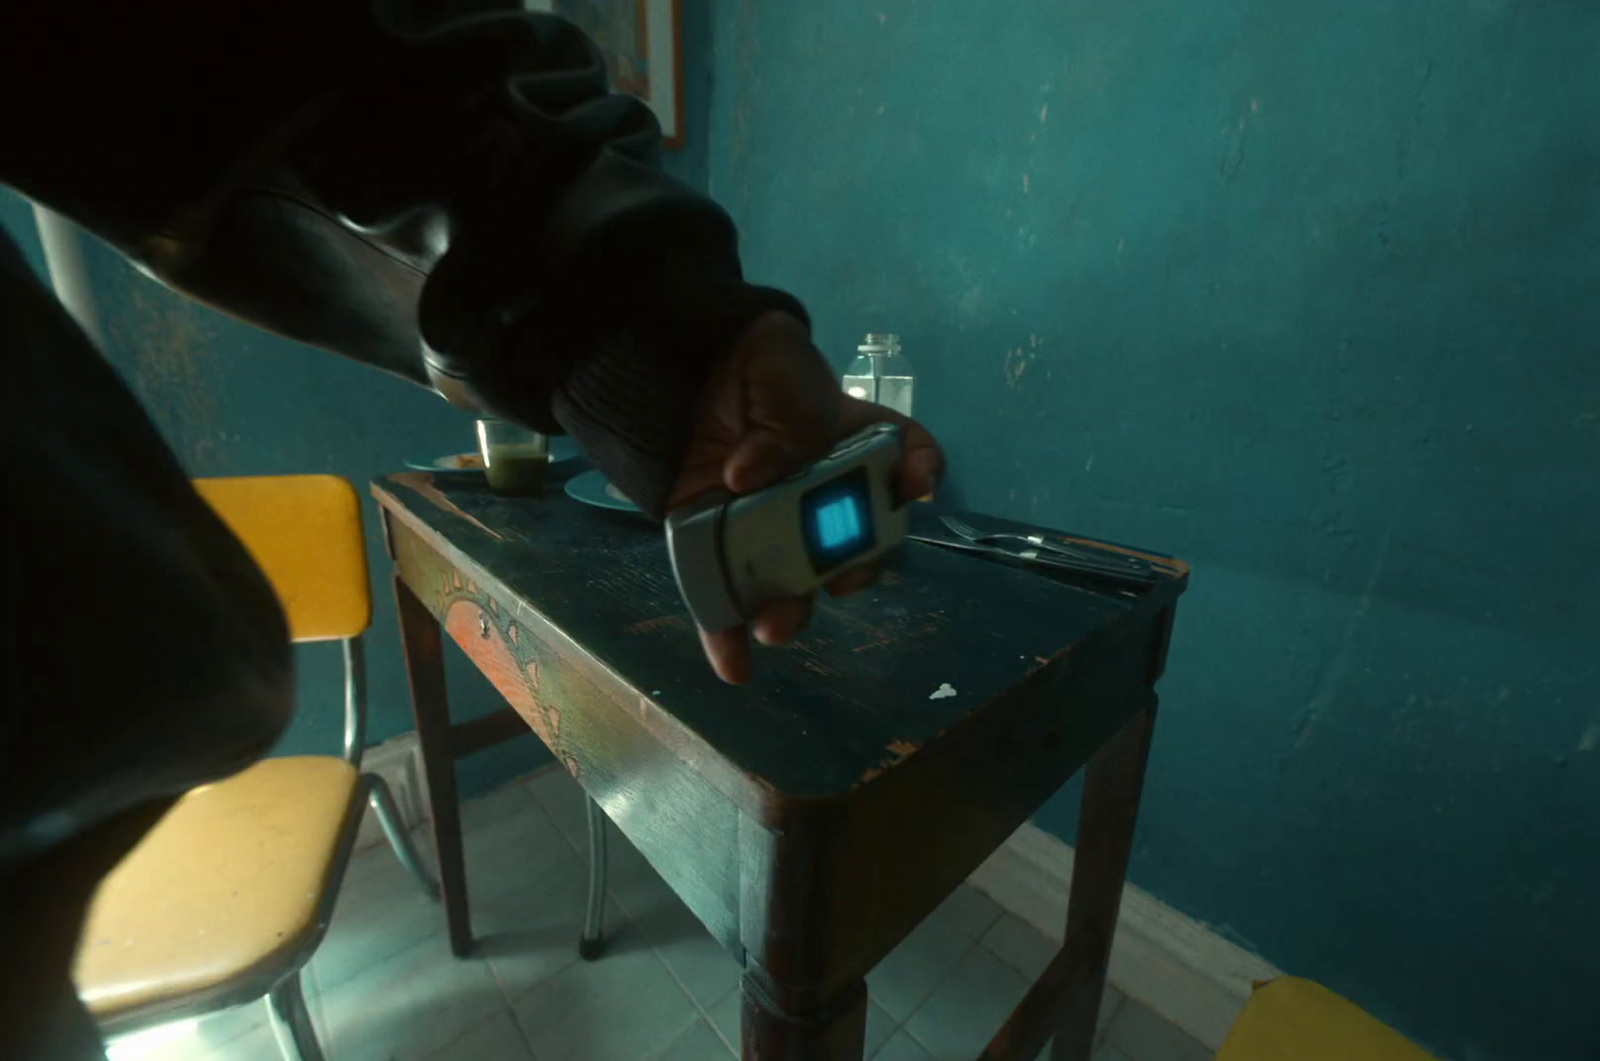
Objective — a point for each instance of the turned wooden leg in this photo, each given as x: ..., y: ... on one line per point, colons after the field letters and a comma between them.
x: 424, y: 652
x: 832, y: 1030
x: 1110, y: 808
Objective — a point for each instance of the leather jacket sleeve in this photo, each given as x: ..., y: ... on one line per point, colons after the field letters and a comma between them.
x: 460, y: 203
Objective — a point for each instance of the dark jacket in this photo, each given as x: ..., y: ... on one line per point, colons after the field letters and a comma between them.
x: 463, y: 205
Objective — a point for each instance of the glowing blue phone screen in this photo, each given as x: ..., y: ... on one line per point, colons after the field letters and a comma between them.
x: 837, y: 519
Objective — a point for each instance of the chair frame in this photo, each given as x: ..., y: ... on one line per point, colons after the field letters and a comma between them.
x: 279, y: 981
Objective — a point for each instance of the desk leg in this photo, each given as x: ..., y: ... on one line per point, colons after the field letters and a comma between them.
x: 1110, y: 807
x: 424, y: 651
x: 835, y: 1030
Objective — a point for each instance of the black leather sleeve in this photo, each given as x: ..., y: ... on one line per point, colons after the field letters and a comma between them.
x: 457, y: 200
x: 146, y: 653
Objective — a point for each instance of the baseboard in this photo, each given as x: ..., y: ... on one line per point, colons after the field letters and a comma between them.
x: 1169, y: 962
x: 398, y: 761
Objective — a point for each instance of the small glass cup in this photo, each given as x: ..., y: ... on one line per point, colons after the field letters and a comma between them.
x: 514, y: 458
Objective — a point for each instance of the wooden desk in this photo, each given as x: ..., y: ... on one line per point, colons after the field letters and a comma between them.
x: 812, y: 818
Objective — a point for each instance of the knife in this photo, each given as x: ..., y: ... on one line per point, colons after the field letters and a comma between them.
x: 1102, y: 558
x: 1066, y: 565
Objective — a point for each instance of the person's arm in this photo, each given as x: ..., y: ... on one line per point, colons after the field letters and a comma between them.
x: 465, y: 206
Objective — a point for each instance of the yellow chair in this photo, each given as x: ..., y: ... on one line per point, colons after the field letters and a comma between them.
x: 228, y: 896
x: 1290, y: 1019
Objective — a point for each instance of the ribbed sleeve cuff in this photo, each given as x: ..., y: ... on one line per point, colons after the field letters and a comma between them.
x: 631, y: 403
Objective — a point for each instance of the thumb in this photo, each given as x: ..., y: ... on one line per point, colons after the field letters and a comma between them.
x: 759, y: 459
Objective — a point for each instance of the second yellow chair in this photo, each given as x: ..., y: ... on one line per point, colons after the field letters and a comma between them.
x: 228, y: 896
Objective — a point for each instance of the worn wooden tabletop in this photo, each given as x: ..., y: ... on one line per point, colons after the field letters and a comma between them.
x: 861, y: 688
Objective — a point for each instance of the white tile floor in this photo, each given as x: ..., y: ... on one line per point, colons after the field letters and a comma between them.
x: 383, y: 986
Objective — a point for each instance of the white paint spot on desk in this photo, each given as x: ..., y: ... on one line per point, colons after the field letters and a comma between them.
x: 945, y: 690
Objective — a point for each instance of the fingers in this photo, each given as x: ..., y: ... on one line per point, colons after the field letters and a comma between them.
x: 728, y: 652
x: 782, y: 402
x: 780, y: 621
x: 760, y: 459
x: 773, y: 407
x: 923, y: 465
x: 922, y: 471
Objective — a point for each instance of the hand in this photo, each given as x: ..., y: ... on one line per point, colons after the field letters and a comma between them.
x: 770, y: 409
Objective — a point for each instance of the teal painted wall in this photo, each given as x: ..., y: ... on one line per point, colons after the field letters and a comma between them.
x: 1309, y: 294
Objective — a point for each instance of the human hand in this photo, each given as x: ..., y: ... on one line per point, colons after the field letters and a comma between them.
x: 767, y: 411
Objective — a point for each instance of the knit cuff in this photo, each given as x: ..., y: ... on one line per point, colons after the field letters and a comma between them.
x: 631, y: 403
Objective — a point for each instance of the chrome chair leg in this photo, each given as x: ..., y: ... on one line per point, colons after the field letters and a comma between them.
x: 394, y: 827
x: 291, y: 1021
x: 593, y: 941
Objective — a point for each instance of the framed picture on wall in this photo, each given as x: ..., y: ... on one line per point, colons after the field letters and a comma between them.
x: 639, y: 39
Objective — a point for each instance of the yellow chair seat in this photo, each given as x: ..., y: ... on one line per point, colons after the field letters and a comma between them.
x: 228, y: 887
x: 1290, y: 1019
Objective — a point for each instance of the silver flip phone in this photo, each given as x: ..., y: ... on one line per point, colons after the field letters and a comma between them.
x: 733, y: 554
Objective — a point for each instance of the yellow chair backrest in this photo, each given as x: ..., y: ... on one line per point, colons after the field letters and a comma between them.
x: 1290, y: 1019
x: 305, y: 532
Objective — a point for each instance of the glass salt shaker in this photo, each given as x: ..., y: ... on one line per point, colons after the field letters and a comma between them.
x: 880, y: 373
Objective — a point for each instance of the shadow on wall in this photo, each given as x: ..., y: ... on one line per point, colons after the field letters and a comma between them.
x: 232, y: 400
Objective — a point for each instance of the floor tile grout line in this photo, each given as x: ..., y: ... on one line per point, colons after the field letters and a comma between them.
x: 1013, y: 966
x: 523, y: 782
x: 527, y: 1037
x: 319, y: 1012
x: 1100, y: 1038
x: 923, y: 1001
x: 612, y: 833
x: 703, y: 1011
x: 693, y: 1005
x: 571, y: 844
x: 994, y: 920
x: 974, y: 939
x: 539, y: 808
x: 511, y: 1007
x: 265, y: 1020
x: 1103, y: 1036
x: 442, y: 1047
x: 906, y: 1027
x: 423, y: 831
x: 668, y: 1048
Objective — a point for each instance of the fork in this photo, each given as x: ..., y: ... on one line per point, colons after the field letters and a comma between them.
x: 977, y: 537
